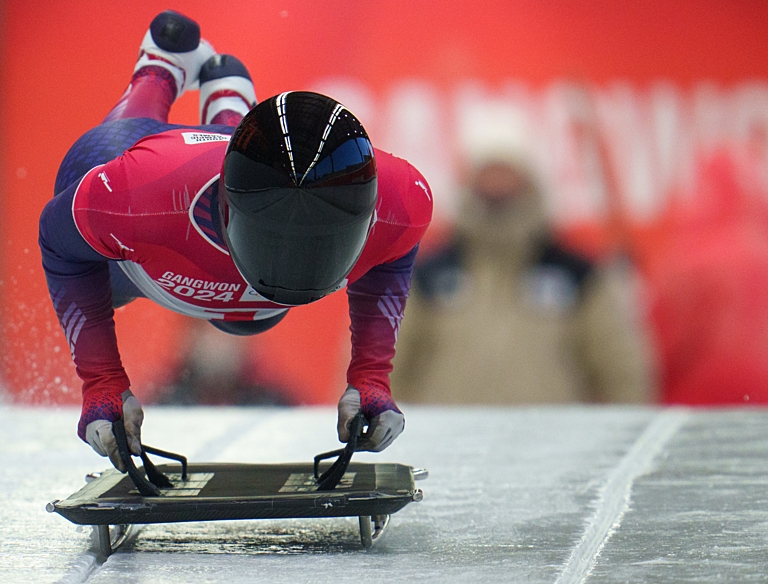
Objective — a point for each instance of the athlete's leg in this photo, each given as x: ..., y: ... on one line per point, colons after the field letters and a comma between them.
x: 170, y: 58
x: 169, y: 63
x: 226, y: 91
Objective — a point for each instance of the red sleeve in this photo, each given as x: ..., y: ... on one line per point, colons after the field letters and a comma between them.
x: 403, y: 213
x: 381, y: 280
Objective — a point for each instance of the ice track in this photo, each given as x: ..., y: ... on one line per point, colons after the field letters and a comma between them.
x: 562, y: 495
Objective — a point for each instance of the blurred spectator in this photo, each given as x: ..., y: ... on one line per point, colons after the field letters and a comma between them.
x: 503, y: 314
x: 707, y: 265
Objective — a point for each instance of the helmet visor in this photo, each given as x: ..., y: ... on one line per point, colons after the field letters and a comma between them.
x: 295, y: 245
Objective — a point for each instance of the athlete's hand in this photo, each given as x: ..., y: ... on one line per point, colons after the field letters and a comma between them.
x: 385, y: 420
x: 98, y: 432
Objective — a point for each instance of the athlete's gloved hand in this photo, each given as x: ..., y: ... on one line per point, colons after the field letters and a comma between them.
x: 96, y: 424
x: 385, y: 420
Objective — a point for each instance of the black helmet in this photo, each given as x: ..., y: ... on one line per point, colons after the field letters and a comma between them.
x: 299, y: 196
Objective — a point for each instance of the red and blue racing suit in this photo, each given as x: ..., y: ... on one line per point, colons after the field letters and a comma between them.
x: 135, y: 214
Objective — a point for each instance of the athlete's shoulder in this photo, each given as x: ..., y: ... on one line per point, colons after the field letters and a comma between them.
x: 404, y: 193
x: 147, y: 191
x: 403, y: 213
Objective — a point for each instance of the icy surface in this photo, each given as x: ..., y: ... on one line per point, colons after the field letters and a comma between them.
x: 514, y: 495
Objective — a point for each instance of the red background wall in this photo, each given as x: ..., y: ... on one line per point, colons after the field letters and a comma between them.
x: 64, y: 64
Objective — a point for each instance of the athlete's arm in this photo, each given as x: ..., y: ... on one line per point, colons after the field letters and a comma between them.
x: 78, y: 282
x: 376, y: 306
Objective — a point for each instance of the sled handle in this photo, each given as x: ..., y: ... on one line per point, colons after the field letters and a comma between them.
x: 150, y: 485
x: 163, y: 454
x: 331, y: 477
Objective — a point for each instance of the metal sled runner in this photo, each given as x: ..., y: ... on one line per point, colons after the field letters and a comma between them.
x: 211, y: 491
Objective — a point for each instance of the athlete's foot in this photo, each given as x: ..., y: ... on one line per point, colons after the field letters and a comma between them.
x: 173, y: 42
x: 226, y: 90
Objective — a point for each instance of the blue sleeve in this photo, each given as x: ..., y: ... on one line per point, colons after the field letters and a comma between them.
x: 78, y: 282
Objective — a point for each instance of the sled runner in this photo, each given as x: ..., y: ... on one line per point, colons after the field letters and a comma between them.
x: 170, y: 493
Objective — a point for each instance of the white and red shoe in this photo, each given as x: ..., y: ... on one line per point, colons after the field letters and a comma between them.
x: 173, y: 42
x: 225, y: 86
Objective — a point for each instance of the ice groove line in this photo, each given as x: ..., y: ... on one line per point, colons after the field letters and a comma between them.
x: 81, y: 569
x: 88, y: 563
x: 614, y: 497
